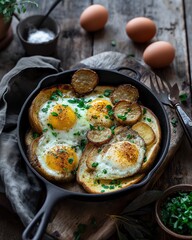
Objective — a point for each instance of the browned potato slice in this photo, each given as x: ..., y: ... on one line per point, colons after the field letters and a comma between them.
x: 84, y: 81
x: 125, y: 92
x: 99, y: 136
x: 126, y: 113
x: 145, y: 131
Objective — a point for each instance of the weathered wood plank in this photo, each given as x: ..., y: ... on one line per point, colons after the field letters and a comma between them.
x: 75, y: 44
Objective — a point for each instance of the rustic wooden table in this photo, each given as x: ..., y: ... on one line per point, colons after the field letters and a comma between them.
x: 174, y: 24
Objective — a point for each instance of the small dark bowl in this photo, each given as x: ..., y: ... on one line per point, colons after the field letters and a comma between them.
x: 172, y: 191
x: 44, y: 48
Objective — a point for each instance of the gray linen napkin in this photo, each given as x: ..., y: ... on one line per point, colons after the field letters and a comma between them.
x: 20, y: 184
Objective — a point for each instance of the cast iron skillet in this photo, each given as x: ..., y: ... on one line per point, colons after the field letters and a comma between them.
x: 55, y: 193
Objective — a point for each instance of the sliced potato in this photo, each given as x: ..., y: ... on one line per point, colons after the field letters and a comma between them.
x: 84, y: 81
x: 126, y: 113
x: 145, y: 131
x: 99, y: 136
x: 125, y: 92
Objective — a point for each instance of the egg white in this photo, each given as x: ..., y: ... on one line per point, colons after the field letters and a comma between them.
x: 110, y: 166
x: 78, y: 132
x: 46, y: 143
x: 74, y: 137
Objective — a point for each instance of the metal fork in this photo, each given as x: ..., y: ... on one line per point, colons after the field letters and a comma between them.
x: 161, y: 90
x: 170, y: 96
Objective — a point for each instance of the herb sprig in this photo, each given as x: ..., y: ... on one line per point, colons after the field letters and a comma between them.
x: 9, y: 7
x: 131, y: 223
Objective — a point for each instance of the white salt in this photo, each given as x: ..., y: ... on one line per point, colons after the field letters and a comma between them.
x: 40, y: 35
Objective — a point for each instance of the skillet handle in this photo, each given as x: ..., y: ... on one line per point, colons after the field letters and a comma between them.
x: 137, y: 74
x: 37, y: 227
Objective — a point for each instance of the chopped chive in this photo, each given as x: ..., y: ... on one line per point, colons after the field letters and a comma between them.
x: 44, y: 109
x: 95, y: 164
x: 54, y: 134
x: 99, y: 150
x: 70, y: 160
x: 107, y: 92
x: 77, y: 133
x: 183, y: 97
x: 54, y: 114
x: 35, y: 135
x: 50, y: 125
x: 129, y: 136
x: 122, y: 117
x: 148, y: 119
x: 91, y: 127
x: 144, y: 111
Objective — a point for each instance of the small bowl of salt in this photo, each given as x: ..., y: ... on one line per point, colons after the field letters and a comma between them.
x: 38, y: 40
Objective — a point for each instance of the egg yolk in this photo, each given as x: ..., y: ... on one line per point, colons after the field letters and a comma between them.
x: 61, y: 159
x: 100, y: 113
x: 62, y: 117
x: 123, y: 153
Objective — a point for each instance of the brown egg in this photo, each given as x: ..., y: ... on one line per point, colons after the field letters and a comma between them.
x: 94, y: 18
x: 159, y: 54
x: 141, y: 29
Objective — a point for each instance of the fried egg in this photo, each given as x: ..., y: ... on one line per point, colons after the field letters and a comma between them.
x: 121, y: 158
x: 99, y: 113
x: 65, y: 122
x: 57, y: 160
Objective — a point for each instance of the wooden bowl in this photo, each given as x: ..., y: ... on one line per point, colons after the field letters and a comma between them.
x: 47, y: 48
x: 172, y: 191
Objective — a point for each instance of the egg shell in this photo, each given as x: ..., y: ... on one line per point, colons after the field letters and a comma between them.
x: 94, y: 18
x: 159, y: 54
x: 141, y: 29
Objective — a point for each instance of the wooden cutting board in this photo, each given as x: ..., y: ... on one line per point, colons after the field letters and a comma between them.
x: 69, y: 214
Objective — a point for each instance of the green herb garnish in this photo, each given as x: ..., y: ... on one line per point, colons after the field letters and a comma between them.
x: 95, y: 164
x: 35, y: 135
x: 56, y: 94
x: 176, y: 213
x: 144, y: 111
x: 129, y: 136
x: 44, y: 109
x: 70, y: 160
x: 54, y: 114
x: 54, y: 134
x: 77, y: 134
x: 107, y: 92
x: 82, y: 144
x: 174, y: 122
x: 122, y: 117
x: 183, y: 97
x: 113, y: 129
x: 77, y: 114
x: 50, y: 125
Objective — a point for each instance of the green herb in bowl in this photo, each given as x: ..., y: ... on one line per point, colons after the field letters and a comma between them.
x: 173, y: 211
x: 176, y: 213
